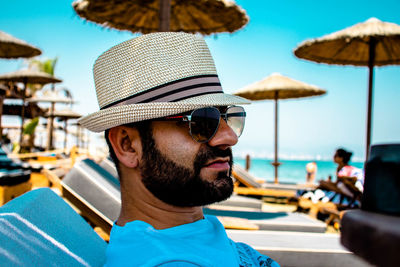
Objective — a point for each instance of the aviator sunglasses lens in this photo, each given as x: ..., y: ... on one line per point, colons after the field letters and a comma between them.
x: 235, y: 117
x: 204, y: 123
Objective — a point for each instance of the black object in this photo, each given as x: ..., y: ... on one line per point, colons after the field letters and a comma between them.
x: 13, y: 177
x: 10, y: 164
x: 372, y: 236
x: 382, y: 180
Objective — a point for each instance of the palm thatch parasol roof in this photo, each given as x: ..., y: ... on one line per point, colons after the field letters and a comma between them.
x: 11, y: 47
x: 194, y: 16
x: 371, y: 43
x: 52, y: 98
x: 277, y: 86
x: 28, y: 76
x: 351, y: 46
x: 32, y: 110
x: 65, y: 114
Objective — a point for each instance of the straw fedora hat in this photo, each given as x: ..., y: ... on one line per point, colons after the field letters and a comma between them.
x: 153, y: 76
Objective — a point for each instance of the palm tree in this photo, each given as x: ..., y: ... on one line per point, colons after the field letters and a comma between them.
x: 47, y: 65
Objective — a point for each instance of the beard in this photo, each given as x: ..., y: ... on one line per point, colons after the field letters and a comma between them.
x: 181, y: 186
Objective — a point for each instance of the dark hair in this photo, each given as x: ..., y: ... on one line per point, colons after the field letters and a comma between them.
x: 345, y: 155
x: 143, y: 128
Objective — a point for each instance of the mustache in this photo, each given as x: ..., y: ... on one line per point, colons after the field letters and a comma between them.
x: 208, y: 153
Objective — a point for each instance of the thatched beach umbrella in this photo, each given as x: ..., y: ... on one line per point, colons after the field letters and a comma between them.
x: 11, y: 47
x: 25, y: 77
x: 3, y: 92
x: 53, y: 98
x: 371, y: 43
x: 32, y: 110
x: 65, y: 115
x: 194, y: 16
x: 278, y: 87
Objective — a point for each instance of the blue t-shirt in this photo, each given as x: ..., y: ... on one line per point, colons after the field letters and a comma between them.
x: 201, y: 243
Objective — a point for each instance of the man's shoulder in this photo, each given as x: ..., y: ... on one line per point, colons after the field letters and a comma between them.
x: 251, y: 257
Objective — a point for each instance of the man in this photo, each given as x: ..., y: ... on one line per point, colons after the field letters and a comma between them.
x: 170, y: 129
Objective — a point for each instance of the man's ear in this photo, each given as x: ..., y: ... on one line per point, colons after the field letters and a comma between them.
x: 126, y: 144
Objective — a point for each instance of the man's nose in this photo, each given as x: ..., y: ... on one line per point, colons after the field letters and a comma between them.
x: 225, y: 137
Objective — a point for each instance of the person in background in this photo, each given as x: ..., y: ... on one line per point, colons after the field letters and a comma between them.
x: 311, y: 169
x: 347, y: 188
x: 349, y: 178
x: 170, y: 128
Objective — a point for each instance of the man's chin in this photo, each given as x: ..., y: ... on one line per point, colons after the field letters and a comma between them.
x: 211, y: 175
x: 223, y: 188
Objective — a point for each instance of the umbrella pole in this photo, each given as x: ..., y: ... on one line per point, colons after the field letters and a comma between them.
x: 50, y: 129
x: 22, y: 114
x: 276, y: 163
x: 372, y: 45
x: 1, y: 115
x: 165, y: 15
x: 65, y: 135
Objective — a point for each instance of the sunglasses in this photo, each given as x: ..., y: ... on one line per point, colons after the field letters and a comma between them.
x: 204, y: 122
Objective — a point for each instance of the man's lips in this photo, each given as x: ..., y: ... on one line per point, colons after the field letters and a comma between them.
x: 221, y: 164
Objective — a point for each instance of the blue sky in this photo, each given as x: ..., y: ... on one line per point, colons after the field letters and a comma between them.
x: 312, y: 127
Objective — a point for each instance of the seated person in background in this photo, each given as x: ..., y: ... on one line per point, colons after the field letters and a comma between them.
x: 349, y: 184
x: 170, y: 129
x: 350, y: 180
x: 311, y: 169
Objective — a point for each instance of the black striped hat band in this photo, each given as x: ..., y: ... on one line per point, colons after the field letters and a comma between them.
x: 174, y: 91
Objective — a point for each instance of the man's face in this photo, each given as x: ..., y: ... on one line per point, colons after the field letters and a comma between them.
x: 182, y: 172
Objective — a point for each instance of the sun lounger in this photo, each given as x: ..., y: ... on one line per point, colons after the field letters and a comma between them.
x: 253, y: 188
x: 94, y: 191
x: 239, y: 202
x: 328, y: 206
x: 299, y: 249
x: 13, y: 183
x: 109, y: 166
x: 274, y: 221
x: 40, y: 229
x: 244, y: 177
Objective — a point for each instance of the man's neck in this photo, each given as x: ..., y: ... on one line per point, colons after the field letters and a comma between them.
x: 139, y: 204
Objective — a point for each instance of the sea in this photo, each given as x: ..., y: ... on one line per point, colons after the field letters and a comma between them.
x: 291, y: 171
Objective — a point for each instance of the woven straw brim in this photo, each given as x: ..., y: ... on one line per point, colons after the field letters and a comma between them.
x: 115, y: 116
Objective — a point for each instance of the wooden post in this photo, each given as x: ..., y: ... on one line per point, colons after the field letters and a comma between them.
x: 372, y: 45
x: 165, y: 15
x: 276, y: 163
x: 65, y: 133
x: 50, y: 127
x: 1, y: 115
x: 21, y: 135
x: 248, y: 162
